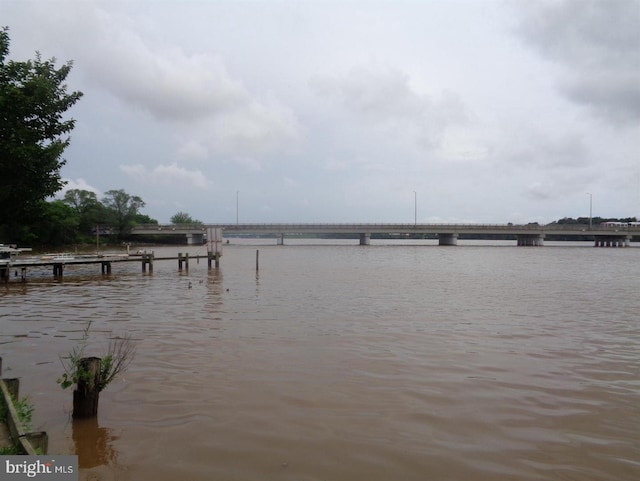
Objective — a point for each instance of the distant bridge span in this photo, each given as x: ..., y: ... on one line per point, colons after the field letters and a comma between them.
x: 525, y: 234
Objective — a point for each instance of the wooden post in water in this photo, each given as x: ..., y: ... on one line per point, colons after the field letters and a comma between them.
x: 147, y: 259
x: 214, y: 246
x: 257, y: 260
x: 58, y: 270
x: 183, y: 260
x: 87, y: 393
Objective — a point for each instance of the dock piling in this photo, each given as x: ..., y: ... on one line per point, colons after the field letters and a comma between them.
x: 87, y: 393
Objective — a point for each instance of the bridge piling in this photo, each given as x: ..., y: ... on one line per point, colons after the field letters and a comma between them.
x: 447, y: 239
x: 528, y: 240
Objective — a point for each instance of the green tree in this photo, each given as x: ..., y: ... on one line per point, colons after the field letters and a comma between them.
x: 33, y: 135
x: 88, y: 208
x: 144, y: 219
x: 58, y: 225
x: 122, y: 210
x: 183, y: 218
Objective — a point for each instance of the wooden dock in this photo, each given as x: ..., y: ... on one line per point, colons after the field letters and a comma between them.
x: 59, y: 262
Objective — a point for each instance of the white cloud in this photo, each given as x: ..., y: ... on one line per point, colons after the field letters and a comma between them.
x: 79, y: 184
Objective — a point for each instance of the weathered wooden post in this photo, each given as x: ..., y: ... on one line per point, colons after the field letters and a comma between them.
x: 87, y: 392
x: 257, y: 260
x: 147, y: 259
x: 214, y: 245
x: 183, y: 260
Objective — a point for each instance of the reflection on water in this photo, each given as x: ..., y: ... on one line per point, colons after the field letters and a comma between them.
x: 345, y: 362
x: 94, y: 445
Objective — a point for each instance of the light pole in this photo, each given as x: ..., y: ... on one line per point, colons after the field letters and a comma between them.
x: 415, y: 208
x: 237, y: 204
x: 590, y: 208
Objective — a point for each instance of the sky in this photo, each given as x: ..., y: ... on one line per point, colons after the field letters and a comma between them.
x: 456, y: 111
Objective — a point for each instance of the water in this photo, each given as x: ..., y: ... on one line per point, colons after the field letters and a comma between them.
x: 341, y: 362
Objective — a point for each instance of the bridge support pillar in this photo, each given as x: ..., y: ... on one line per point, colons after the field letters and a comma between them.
x: 612, y: 241
x: 195, y: 239
x: 447, y: 239
x: 280, y: 239
x: 528, y: 240
x: 365, y: 239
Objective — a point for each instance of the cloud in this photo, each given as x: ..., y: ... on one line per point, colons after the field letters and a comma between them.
x: 598, y: 45
x: 386, y: 98
x: 545, y: 152
x: 190, y: 90
x: 167, y: 175
x: 255, y: 128
x: 150, y: 74
x: 80, y: 184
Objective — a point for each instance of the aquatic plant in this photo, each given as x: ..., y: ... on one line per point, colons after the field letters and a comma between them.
x: 120, y: 353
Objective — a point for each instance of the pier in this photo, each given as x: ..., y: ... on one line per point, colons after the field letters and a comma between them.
x: 59, y: 264
x: 11, y: 261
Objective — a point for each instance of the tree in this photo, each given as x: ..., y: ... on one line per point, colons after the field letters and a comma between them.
x: 122, y: 210
x: 58, y: 225
x: 144, y: 219
x: 88, y: 208
x: 183, y: 218
x: 33, y: 134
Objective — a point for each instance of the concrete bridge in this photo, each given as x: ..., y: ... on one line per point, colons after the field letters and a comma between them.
x: 525, y: 235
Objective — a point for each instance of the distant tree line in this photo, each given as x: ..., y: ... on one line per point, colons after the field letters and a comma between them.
x: 80, y: 216
x: 593, y: 220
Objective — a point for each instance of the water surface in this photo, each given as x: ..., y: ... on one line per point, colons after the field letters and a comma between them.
x: 343, y: 362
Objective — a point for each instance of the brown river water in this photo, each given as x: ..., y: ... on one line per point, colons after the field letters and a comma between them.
x: 339, y: 362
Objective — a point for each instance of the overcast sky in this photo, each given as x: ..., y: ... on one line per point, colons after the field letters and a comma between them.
x: 350, y: 111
